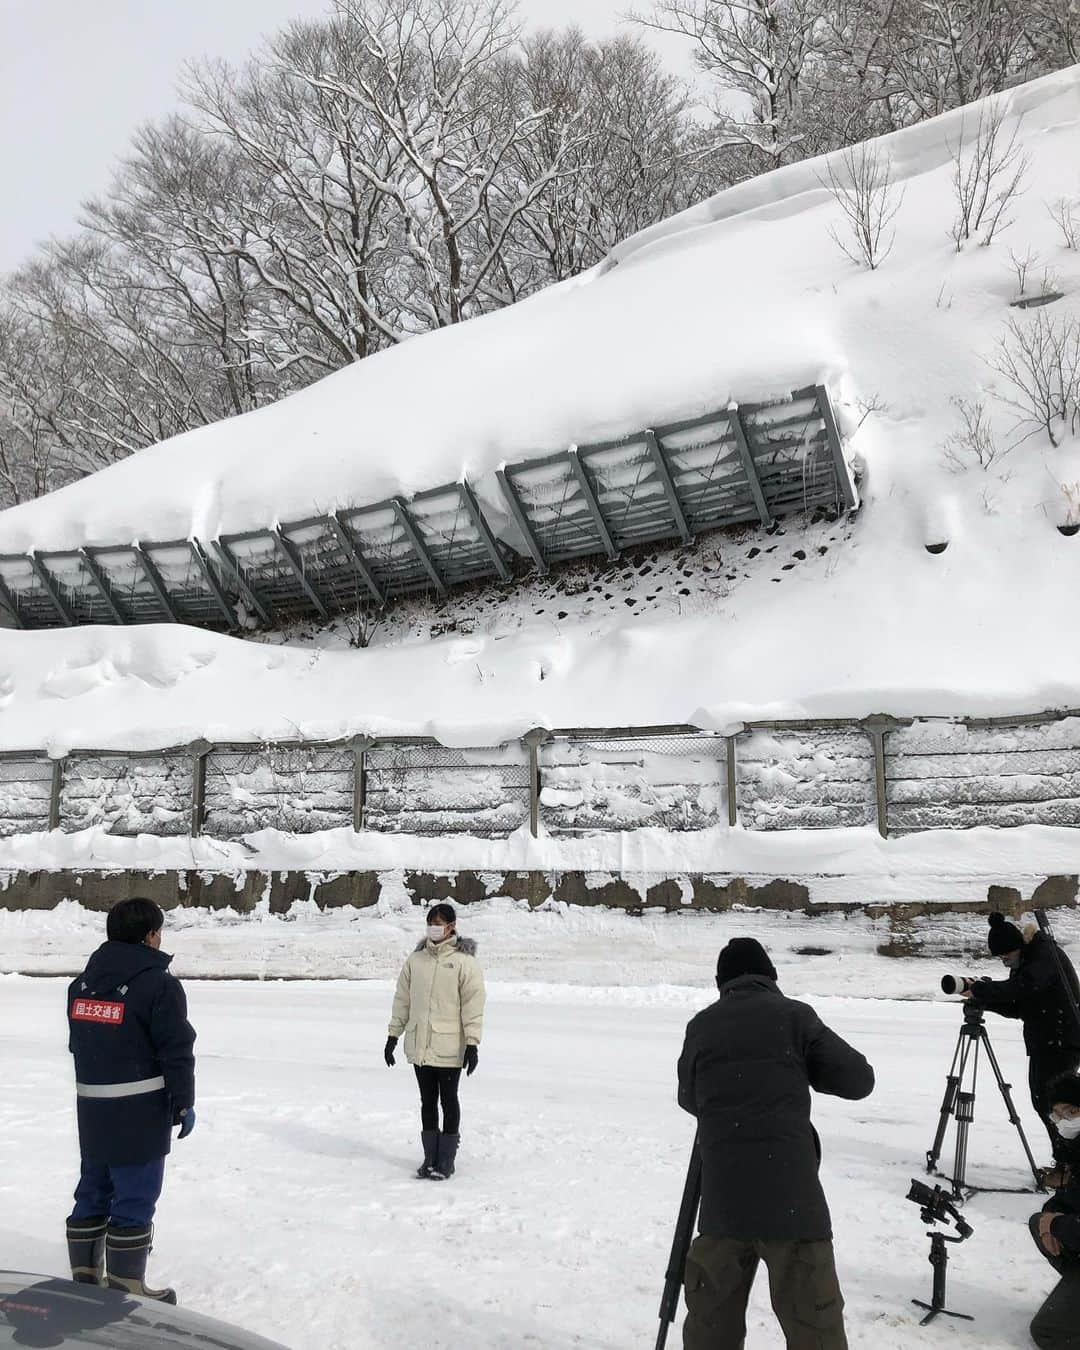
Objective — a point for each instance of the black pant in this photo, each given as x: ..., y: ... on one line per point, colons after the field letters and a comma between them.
x: 439, y: 1085
x: 803, y: 1287
x: 1042, y: 1070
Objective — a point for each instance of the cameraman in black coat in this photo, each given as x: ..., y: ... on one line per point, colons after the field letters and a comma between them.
x: 135, y: 1080
x: 747, y: 1067
x: 1034, y: 993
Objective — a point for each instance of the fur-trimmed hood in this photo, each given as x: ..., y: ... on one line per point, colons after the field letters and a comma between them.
x: 467, y: 946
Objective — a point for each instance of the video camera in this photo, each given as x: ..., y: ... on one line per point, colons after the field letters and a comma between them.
x: 936, y: 1207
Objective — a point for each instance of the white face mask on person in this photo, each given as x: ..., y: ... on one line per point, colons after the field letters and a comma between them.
x: 436, y: 931
x: 1068, y: 1129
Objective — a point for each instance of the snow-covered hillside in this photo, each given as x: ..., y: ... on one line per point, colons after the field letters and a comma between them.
x: 744, y: 297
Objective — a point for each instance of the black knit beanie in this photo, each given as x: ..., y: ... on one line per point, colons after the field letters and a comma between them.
x: 1065, y: 1089
x: 1004, y: 937
x: 743, y: 956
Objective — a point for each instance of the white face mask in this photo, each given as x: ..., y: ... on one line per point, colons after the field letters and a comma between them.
x: 1069, y: 1129
x: 436, y: 932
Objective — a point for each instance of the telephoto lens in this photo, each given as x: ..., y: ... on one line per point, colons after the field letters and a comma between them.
x: 955, y: 984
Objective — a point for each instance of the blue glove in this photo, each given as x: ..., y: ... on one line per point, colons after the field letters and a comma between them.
x: 186, y: 1121
x: 472, y: 1058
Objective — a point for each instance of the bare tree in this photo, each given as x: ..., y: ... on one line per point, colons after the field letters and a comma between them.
x: 1040, y: 361
x: 988, y: 175
x: 862, y: 186
x: 759, y: 50
x: 442, y: 88
x: 636, y: 154
x: 974, y: 441
x: 1063, y: 214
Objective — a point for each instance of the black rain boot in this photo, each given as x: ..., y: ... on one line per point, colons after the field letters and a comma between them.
x: 127, y: 1251
x: 444, y: 1166
x: 86, y: 1249
x: 430, y: 1141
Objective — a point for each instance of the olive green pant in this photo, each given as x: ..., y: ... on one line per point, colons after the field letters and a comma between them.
x: 803, y: 1287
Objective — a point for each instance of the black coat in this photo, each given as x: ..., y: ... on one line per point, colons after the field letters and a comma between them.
x: 127, y: 1018
x: 1034, y: 993
x: 1066, y: 1202
x: 746, y: 1070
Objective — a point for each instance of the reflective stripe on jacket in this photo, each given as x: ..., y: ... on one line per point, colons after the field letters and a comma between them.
x: 439, y: 1003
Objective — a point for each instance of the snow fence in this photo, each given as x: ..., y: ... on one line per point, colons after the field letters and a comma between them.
x: 897, y: 776
x: 752, y: 463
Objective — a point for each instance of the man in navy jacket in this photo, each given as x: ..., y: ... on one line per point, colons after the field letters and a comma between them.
x: 135, y: 1080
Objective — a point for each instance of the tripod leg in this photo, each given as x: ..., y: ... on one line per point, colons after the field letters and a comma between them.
x: 1006, y: 1095
x: 965, y: 1116
x: 948, y: 1104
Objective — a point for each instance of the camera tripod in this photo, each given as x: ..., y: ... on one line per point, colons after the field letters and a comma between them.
x: 959, y: 1103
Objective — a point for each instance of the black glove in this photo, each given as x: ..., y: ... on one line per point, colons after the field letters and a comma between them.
x: 186, y: 1120
x: 472, y: 1058
x: 388, y: 1051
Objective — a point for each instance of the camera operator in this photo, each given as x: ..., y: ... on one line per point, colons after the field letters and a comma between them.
x: 747, y: 1067
x: 1034, y: 992
x: 1056, y: 1326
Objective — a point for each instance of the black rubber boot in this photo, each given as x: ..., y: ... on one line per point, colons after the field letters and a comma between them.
x: 86, y: 1249
x: 127, y: 1251
x: 444, y: 1165
x: 430, y: 1141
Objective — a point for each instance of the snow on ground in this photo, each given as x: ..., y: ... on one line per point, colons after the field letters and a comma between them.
x: 292, y: 1209
x: 656, y: 956
x: 844, y: 866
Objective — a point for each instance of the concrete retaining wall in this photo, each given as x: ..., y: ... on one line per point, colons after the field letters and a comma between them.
x: 241, y: 892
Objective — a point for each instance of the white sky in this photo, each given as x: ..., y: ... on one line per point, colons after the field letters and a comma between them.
x: 77, y: 77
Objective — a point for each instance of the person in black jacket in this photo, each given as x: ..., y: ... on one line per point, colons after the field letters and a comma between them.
x: 1034, y: 992
x: 135, y: 1080
x: 746, y: 1070
x: 1056, y: 1230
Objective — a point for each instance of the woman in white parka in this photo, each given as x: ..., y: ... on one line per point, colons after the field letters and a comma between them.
x: 439, y: 1005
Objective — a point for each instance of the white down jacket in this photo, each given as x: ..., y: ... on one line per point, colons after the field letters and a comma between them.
x: 439, y: 1002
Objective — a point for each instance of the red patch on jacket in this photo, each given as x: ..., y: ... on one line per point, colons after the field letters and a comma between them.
x: 97, y: 1010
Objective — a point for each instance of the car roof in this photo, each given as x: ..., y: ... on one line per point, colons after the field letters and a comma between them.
x: 39, y: 1310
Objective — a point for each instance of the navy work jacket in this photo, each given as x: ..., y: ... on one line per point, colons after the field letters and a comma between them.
x: 134, y: 1063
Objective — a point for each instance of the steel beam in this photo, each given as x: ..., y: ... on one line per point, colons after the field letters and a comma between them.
x: 49, y: 587
x: 513, y: 501
x: 198, y: 787
x: 9, y: 603
x: 418, y: 545
x: 56, y: 786
x: 157, y: 583
x: 352, y: 550
x: 221, y: 599
x: 533, y: 740
x: 101, y: 581
x: 663, y: 472
x: 249, y: 594
x: 593, y: 505
x: 731, y: 763
x: 876, y: 728
x: 749, y: 467
x: 291, y: 557
x: 472, y: 510
x: 832, y: 433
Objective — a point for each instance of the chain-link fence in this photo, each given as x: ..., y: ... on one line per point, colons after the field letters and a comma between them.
x: 903, y: 776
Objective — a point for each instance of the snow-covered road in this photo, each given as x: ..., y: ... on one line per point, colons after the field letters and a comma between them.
x: 292, y: 1209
